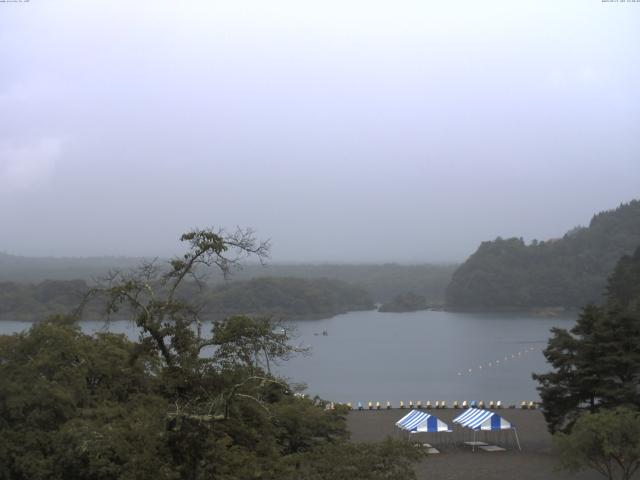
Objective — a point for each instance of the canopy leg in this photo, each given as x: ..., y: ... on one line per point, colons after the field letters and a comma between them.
x: 517, y: 440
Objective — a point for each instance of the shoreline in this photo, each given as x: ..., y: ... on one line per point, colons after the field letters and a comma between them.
x: 538, y: 312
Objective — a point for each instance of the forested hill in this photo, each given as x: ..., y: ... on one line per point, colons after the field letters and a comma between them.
x: 568, y: 272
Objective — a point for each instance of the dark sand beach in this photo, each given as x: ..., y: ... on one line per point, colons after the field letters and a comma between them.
x: 535, y: 462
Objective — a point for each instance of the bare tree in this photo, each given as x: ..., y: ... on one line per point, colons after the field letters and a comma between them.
x: 151, y: 293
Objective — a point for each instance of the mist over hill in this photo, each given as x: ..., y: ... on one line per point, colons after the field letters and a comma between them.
x: 32, y: 270
x: 381, y: 281
x: 33, y: 288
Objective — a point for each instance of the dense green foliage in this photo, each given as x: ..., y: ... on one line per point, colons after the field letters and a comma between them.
x: 569, y: 272
x: 387, y: 460
x: 281, y: 297
x: 409, y: 302
x: 608, y: 442
x: 104, y: 407
x: 286, y: 298
x: 73, y: 406
x: 596, y: 365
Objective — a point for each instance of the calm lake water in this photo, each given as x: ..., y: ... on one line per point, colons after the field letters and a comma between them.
x: 371, y: 356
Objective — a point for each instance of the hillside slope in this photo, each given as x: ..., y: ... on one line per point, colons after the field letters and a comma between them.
x: 568, y: 272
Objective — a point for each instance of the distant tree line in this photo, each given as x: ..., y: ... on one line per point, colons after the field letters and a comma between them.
x: 30, y: 302
x: 408, y: 302
x: 381, y: 281
x: 291, y: 298
x: 568, y: 272
x: 286, y: 297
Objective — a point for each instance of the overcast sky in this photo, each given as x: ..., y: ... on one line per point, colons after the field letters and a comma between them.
x: 342, y: 130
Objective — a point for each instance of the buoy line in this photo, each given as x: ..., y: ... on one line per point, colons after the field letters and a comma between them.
x: 496, y: 363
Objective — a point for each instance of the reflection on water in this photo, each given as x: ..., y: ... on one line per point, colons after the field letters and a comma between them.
x: 410, y: 356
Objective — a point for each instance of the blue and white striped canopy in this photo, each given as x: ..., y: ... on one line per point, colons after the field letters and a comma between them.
x: 477, y: 419
x: 417, y: 421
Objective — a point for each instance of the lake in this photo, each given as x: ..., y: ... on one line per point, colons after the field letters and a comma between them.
x: 428, y: 355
